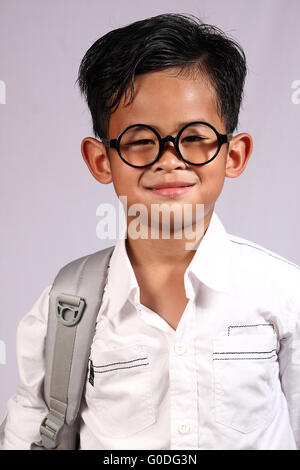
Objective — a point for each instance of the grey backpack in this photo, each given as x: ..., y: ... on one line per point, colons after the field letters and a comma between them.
x: 74, y: 303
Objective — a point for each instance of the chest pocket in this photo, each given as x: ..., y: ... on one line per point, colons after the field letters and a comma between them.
x: 119, y: 390
x: 244, y: 367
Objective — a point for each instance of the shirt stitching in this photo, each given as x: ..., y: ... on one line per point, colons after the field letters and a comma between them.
x: 257, y: 324
x: 123, y: 362
x: 261, y: 249
x: 245, y: 352
x: 241, y: 358
x: 120, y: 368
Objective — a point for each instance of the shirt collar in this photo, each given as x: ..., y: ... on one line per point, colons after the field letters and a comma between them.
x: 211, y: 262
x: 210, y: 265
x: 121, y: 282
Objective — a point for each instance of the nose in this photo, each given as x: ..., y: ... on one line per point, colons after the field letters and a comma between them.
x: 169, y: 158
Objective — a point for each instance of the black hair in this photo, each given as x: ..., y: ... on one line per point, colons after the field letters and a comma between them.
x: 170, y: 40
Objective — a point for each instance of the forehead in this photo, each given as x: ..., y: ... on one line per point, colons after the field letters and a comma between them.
x: 164, y: 100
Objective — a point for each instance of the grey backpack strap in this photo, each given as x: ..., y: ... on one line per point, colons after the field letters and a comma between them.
x: 74, y: 303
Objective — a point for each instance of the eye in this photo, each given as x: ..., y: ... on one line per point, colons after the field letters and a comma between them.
x: 193, y: 138
x: 141, y: 142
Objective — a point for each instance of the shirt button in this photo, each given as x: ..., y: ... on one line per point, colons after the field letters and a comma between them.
x: 184, y: 428
x: 179, y: 348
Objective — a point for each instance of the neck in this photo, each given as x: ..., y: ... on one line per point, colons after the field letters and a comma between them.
x: 170, y: 253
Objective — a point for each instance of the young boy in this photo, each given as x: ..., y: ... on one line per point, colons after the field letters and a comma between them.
x: 193, y: 348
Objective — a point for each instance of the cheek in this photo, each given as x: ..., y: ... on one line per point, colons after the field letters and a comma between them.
x: 125, y: 180
x: 123, y: 186
x: 211, y: 177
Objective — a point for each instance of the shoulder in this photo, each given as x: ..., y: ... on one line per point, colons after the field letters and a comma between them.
x: 34, y: 322
x: 92, y: 258
x: 264, y: 263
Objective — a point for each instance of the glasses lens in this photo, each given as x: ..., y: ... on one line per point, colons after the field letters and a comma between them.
x: 139, y: 145
x: 198, y: 143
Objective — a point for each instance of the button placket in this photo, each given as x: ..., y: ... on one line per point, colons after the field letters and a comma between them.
x: 183, y: 385
x: 184, y: 428
x: 180, y: 348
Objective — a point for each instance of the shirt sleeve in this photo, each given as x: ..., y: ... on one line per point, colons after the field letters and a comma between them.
x: 26, y: 408
x: 289, y: 370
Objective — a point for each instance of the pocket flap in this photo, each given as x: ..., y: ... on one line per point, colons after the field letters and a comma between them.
x: 247, y: 346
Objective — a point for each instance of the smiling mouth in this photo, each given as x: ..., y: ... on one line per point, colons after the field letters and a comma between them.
x: 172, y: 191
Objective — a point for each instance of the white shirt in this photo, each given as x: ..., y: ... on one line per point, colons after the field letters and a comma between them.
x: 227, y: 378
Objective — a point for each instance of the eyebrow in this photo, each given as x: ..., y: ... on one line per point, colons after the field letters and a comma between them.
x: 179, y: 125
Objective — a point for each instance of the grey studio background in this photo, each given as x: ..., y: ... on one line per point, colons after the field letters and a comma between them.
x: 48, y: 196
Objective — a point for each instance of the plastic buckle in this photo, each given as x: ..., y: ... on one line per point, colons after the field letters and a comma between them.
x: 67, y: 312
x: 50, y: 431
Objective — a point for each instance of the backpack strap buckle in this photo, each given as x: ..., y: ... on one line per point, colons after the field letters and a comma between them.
x: 69, y: 309
x: 50, y: 431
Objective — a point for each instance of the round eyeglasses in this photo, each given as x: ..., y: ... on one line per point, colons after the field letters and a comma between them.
x: 140, y: 145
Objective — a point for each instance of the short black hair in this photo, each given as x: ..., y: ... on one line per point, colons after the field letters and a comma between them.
x: 169, y: 40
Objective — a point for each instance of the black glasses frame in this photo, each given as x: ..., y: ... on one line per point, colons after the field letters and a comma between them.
x: 115, y: 143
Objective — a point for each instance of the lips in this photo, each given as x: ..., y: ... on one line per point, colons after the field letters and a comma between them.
x: 171, y: 184
x: 172, y: 189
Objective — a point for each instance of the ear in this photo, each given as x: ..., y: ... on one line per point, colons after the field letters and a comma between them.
x: 95, y: 156
x: 240, y: 149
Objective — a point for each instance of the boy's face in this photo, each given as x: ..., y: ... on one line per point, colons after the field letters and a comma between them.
x: 167, y: 102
